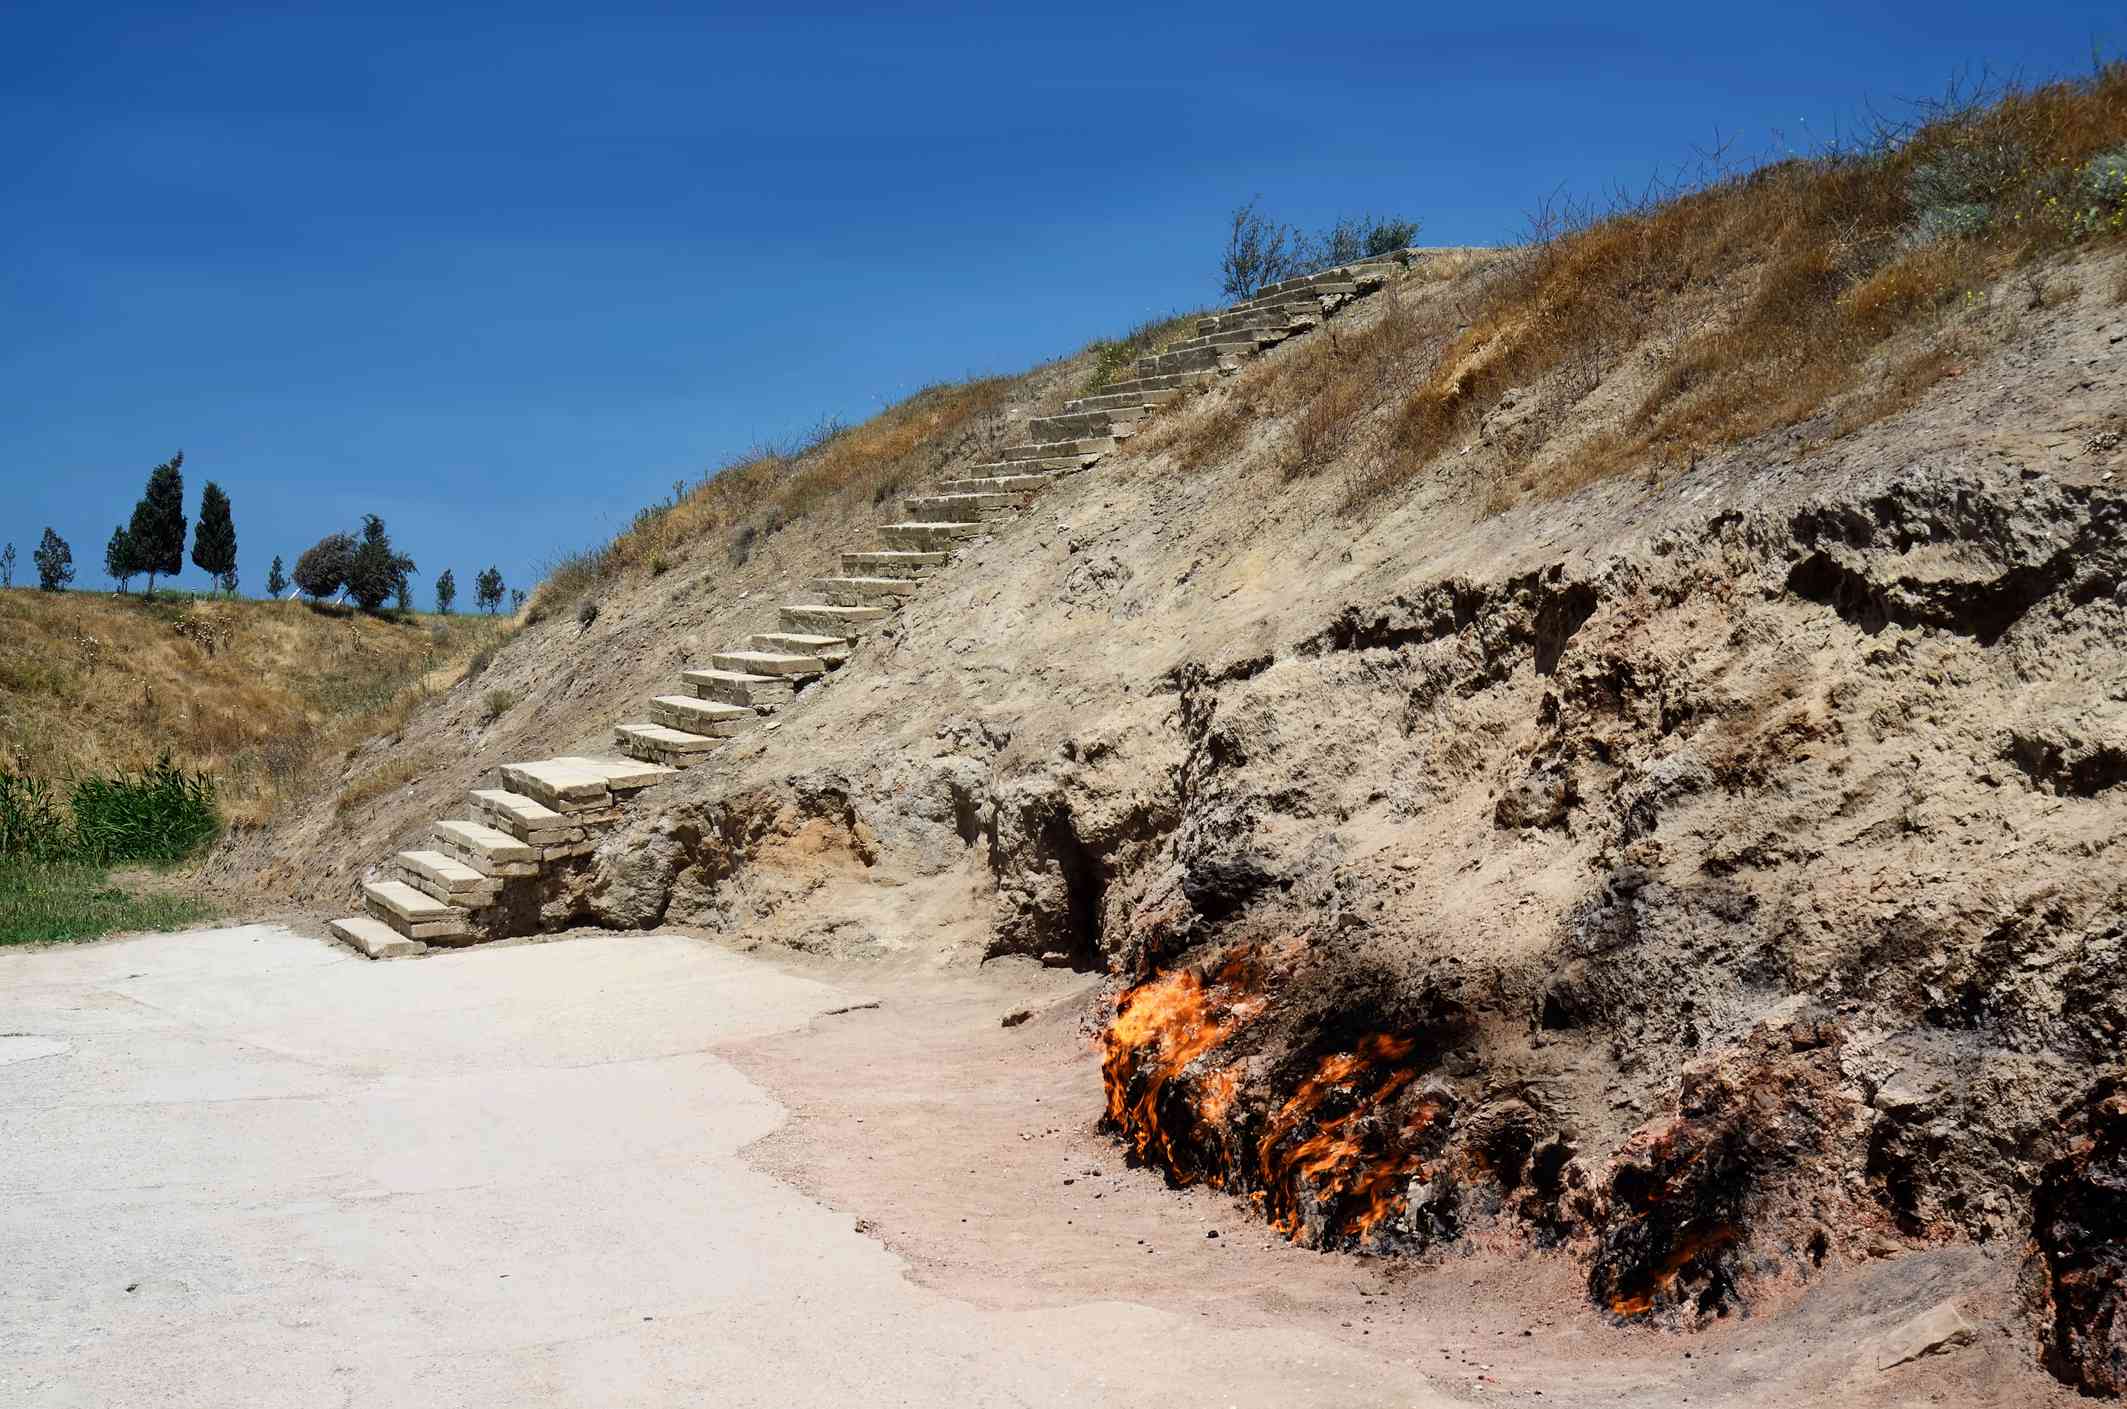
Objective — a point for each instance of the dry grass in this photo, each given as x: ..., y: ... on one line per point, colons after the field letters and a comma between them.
x: 1760, y: 299
x: 764, y: 490
x: 389, y: 776
x: 1115, y: 358
x: 262, y: 695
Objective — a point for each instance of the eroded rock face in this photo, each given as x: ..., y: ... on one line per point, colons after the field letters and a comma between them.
x: 2079, y: 1257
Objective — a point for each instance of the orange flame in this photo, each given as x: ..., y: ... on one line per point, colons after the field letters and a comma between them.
x: 1331, y: 1165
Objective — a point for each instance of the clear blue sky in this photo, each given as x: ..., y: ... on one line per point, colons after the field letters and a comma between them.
x: 502, y: 275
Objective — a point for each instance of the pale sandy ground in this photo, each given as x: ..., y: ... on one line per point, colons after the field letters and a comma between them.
x: 243, y: 1167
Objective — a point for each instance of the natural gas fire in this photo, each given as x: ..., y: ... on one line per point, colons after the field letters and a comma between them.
x: 1330, y: 1164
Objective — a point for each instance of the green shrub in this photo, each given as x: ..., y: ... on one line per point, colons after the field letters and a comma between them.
x: 30, y: 823
x: 496, y: 703
x: 2101, y: 195
x: 163, y: 814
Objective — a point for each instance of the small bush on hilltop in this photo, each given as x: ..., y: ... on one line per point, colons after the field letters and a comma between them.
x: 322, y: 570
x: 55, y: 562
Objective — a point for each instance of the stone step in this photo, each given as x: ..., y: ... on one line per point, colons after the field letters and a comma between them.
x: 963, y: 508
x: 738, y: 687
x: 625, y: 777
x: 525, y: 818
x: 374, y: 939
x: 1059, y: 449
x: 1242, y: 340
x: 1182, y: 382
x: 564, y: 787
x: 487, y: 850
x: 1049, y: 465
x: 828, y: 650
x: 692, y: 715
x: 1122, y: 400
x: 929, y: 537
x: 413, y: 913
x: 1282, y: 318
x: 914, y: 565
x: 676, y: 748
x: 865, y: 591
x: 1080, y: 425
x: 1196, y: 359
x: 825, y: 620
x: 447, y: 875
x: 767, y: 663
x: 447, y: 879
x: 1022, y: 487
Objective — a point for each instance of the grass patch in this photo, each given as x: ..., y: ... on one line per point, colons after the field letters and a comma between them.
x: 43, y: 901
x: 1114, y: 358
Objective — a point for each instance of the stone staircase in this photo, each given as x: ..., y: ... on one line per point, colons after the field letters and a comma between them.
x: 549, y: 811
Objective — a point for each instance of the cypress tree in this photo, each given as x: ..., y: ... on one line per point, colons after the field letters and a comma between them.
x: 158, y: 527
x: 214, y: 537
x: 446, y: 592
x: 118, y: 557
x: 376, y: 573
x: 276, y: 578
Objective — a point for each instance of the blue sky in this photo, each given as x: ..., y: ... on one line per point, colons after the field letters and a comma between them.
x: 503, y: 277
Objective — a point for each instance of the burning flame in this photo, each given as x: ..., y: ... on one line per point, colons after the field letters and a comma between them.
x: 1160, y: 1027
x: 1638, y: 1295
x: 1333, y: 1162
x: 1352, y: 1167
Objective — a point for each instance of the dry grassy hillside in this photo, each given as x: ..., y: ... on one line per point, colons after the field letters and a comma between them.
x: 263, y: 695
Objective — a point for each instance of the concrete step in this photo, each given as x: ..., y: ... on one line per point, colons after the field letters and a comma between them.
x: 825, y: 620
x: 1112, y: 400
x: 374, y: 939
x: 1021, y: 487
x: 738, y: 687
x: 564, y: 787
x: 447, y: 879
x: 625, y: 777
x: 691, y: 715
x: 914, y: 565
x: 412, y: 913
x: 929, y: 537
x: 1050, y: 465
x: 487, y: 850
x: 526, y: 818
x: 1081, y: 425
x: 828, y: 650
x: 865, y: 591
x: 1182, y: 382
x: 963, y: 508
x: 1282, y: 318
x: 1242, y: 340
x: 1059, y: 449
x: 783, y: 663
x: 676, y: 748
x: 1196, y: 359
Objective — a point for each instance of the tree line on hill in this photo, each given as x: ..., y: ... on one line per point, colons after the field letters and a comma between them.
x: 365, y: 569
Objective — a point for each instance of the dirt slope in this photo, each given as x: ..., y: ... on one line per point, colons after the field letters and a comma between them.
x: 1717, y: 881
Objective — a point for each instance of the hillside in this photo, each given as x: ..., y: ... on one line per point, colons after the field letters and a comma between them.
x: 263, y: 695
x: 1654, y: 801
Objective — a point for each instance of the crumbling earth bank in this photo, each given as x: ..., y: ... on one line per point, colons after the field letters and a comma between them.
x: 1739, y: 898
